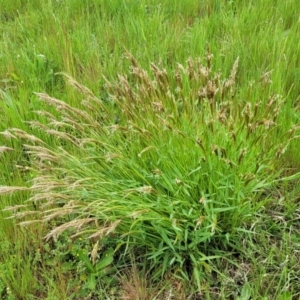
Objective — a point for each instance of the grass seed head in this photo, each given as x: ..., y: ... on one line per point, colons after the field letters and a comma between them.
x: 5, y: 149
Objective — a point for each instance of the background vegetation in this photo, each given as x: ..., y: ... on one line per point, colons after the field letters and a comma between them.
x: 251, y: 251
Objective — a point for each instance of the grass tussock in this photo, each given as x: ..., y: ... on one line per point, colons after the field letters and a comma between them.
x: 173, y: 166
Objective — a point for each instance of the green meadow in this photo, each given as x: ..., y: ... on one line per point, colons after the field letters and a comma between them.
x: 149, y: 149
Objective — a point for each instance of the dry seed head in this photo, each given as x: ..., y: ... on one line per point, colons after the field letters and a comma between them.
x: 211, y: 90
x: 257, y: 106
x: 268, y: 124
x: 225, y: 107
x: 8, y: 135
x: 25, y: 168
x: 20, y: 215
x: 222, y: 118
x: 157, y: 171
x: 251, y: 128
x: 92, y: 141
x: 228, y: 162
x: 144, y: 131
x: 79, y: 126
x: 44, y: 206
x: 180, y: 133
x: 275, y: 113
x: 59, y: 213
x: 77, y: 224
x: 233, y: 135
x: 135, y: 214
x: 59, y: 124
x: 44, y: 156
x: 65, y: 108
x: 178, y: 79
x: 158, y: 106
x: 24, y: 135
x: 38, y: 125
x: 177, y: 90
x: 47, y: 184
x: 191, y: 69
x: 248, y: 112
x: 204, y: 72
x: 181, y: 68
x: 142, y: 190
x: 12, y: 189
x: 131, y: 58
x: 73, y: 204
x: 249, y: 177
x: 5, y: 149
x: 199, y: 222
x: 26, y: 223
x: 273, y: 99
x: 92, y: 122
x: 113, y: 128
x: 201, y: 93
x: 39, y: 149
x: 142, y: 77
x: 294, y: 138
x: 15, y: 207
x: 215, y: 149
x: 242, y: 154
x: 179, y: 182
x: 81, y: 88
x: 209, y: 57
x: 64, y: 136
x: 126, y: 88
x: 105, y: 231
x: 164, y: 122
x: 231, y: 81
x: 147, y: 149
x: 49, y: 197
x: 200, y: 143
x: 280, y: 151
x: 161, y: 75
x: 223, y: 152
x: 266, y: 77
x: 108, y: 157
x: 54, y: 102
x: 94, y: 253
x: 45, y: 114
x: 74, y: 184
x: 216, y: 79
x: 293, y: 130
x: 202, y: 200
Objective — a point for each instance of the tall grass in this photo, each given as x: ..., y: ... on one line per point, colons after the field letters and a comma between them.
x: 195, y: 169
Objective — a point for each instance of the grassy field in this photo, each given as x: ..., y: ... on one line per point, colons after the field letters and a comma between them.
x: 149, y: 149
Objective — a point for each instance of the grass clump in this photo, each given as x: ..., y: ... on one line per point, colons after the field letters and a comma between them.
x: 173, y: 166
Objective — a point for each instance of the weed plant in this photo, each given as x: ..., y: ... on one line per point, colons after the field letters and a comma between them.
x: 172, y: 166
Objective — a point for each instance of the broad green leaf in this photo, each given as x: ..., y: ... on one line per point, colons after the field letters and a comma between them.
x: 246, y: 292
x: 84, y: 258
x: 91, y: 282
x: 106, y: 259
x: 285, y: 296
